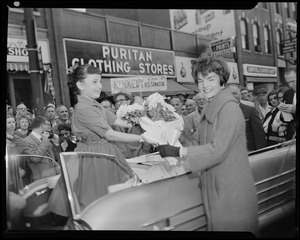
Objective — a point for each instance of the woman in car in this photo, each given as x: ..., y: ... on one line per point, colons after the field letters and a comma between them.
x: 91, y: 123
x: 220, y: 153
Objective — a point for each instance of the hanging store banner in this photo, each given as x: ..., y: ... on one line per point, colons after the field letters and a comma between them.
x: 119, y: 60
x: 234, y: 73
x: 184, y: 69
x: 139, y: 84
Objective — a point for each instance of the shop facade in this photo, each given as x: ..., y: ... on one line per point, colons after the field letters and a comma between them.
x: 125, y: 51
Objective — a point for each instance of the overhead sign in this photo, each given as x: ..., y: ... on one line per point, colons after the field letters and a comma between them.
x: 215, y: 24
x: 119, y: 60
x: 259, y: 70
x: 139, y: 84
x: 289, y: 45
x: 222, y: 46
x: 17, y: 50
x: 291, y: 26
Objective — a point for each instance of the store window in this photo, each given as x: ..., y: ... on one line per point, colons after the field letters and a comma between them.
x: 256, y: 39
x: 278, y: 42
x: 244, y: 33
x: 294, y: 7
x: 267, y: 39
x: 288, y: 14
x: 277, y: 8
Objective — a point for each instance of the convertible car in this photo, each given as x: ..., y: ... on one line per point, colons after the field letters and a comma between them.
x: 160, y: 195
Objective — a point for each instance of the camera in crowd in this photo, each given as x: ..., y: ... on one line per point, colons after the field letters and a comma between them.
x: 51, y: 134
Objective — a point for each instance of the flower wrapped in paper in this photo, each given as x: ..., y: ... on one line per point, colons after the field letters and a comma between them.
x: 161, y: 123
x: 131, y: 113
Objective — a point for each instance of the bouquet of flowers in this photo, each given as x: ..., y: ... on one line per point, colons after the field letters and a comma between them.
x: 131, y: 113
x: 161, y: 123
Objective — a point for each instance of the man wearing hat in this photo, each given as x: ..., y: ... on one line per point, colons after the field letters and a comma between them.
x: 50, y: 114
x: 129, y: 150
x: 262, y: 107
x: 123, y: 97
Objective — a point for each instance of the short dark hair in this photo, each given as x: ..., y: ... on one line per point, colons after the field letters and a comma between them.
x: 206, y: 64
x: 38, y: 121
x: 273, y: 92
x: 64, y: 126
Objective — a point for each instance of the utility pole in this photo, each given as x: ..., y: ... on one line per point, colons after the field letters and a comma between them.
x: 35, y: 78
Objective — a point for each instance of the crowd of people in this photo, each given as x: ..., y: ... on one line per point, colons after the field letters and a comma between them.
x: 222, y: 124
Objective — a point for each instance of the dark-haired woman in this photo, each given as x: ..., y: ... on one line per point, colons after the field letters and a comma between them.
x: 274, y: 125
x: 91, y: 123
x: 220, y: 153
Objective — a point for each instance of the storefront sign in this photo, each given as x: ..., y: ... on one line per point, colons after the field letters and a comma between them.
x: 259, y: 71
x: 222, y: 46
x: 17, y: 50
x: 139, y: 84
x: 119, y: 60
x: 289, y: 45
x: 184, y: 69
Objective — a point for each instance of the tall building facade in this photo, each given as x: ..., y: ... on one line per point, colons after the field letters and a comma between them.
x: 259, y: 33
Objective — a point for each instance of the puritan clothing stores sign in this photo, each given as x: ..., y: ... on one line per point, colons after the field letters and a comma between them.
x: 119, y: 60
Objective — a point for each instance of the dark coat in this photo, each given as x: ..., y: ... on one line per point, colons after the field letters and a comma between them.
x: 221, y: 157
x: 288, y: 98
x: 256, y: 137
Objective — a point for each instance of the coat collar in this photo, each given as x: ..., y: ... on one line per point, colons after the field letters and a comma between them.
x: 213, y: 107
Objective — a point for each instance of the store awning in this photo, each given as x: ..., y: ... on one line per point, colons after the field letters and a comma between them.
x: 261, y: 79
x: 17, y: 66
x: 192, y: 87
x: 173, y: 88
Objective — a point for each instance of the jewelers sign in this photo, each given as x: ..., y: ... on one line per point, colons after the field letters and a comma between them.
x: 139, y: 84
x: 119, y: 60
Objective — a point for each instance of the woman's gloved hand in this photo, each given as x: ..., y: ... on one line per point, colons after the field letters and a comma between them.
x: 168, y: 151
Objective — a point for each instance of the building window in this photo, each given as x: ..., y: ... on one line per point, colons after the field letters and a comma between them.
x: 244, y: 34
x: 277, y: 8
x: 278, y: 42
x: 256, y: 39
x: 264, y: 5
x: 294, y: 7
x: 267, y: 39
x: 288, y: 10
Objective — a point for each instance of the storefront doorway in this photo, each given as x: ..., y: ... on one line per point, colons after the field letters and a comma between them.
x: 19, y: 90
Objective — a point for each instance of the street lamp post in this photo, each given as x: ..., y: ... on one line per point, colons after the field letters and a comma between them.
x: 35, y: 78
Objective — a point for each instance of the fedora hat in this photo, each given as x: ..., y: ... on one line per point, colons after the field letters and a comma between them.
x: 126, y: 93
x: 261, y: 90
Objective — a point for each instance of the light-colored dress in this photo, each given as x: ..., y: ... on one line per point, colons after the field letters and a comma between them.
x: 90, y: 121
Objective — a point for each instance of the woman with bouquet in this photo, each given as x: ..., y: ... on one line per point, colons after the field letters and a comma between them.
x: 91, y: 123
x: 220, y: 153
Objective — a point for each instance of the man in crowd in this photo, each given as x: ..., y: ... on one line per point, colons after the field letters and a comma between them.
x: 245, y: 97
x: 50, y: 114
x: 63, y: 117
x: 192, y: 121
x: 289, y: 101
x: 177, y: 104
x: 190, y: 106
x: 262, y: 107
x: 66, y: 142
x: 23, y: 111
x: 255, y: 135
x: 39, y: 144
